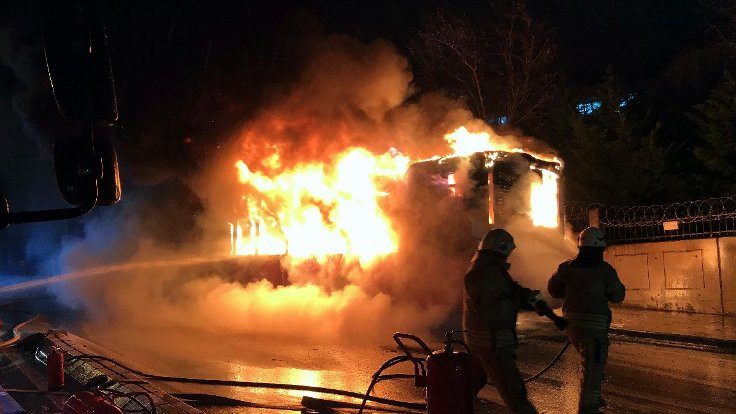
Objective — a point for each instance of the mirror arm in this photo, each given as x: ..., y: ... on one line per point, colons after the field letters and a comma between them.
x: 49, y: 215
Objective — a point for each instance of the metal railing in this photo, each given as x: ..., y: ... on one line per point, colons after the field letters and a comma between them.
x: 712, y: 217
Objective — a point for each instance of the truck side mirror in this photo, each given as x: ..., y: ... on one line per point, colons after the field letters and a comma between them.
x: 77, y: 169
x: 80, y: 73
x: 78, y: 61
x: 83, y: 175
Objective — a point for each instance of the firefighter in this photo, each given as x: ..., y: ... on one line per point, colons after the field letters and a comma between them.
x: 491, y: 302
x: 587, y: 283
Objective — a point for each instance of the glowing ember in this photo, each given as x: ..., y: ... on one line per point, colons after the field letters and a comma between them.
x: 544, y: 204
x: 316, y: 210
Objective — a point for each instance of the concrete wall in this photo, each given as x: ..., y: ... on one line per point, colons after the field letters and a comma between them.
x: 685, y: 275
x: 727, y: 250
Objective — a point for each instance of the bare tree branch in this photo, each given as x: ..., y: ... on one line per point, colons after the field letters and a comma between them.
x: 502, y: 60
x: 446, y: 31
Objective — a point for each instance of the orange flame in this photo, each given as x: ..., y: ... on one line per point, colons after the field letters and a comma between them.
x: 316, y: 210
x: 544, y: 203
x: 465, y: 143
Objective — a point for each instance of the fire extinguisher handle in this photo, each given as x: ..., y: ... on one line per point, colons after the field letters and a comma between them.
x: 398, y: 336
x: 463, y: 344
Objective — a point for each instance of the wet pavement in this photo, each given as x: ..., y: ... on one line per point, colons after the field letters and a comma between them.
x: 643, y: 376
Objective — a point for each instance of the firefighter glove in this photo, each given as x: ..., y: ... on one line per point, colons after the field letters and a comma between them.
x: 560, y: 322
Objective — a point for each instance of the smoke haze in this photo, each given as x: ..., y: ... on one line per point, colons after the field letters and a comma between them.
x: 350, y: 94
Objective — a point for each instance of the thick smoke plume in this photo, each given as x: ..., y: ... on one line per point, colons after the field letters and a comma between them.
x: 351, y: 94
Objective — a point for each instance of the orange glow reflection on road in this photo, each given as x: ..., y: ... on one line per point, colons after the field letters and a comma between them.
x: 288, y: 375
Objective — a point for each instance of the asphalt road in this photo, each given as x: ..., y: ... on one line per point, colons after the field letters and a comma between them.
x: 643, y: 376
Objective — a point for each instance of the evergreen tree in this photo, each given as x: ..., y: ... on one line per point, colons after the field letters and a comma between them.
x: 611, y: 155
x: 715, y: 122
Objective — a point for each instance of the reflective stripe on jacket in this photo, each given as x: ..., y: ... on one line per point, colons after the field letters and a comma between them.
x: 588, y: 321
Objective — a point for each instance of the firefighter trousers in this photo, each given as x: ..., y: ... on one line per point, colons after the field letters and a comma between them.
x: 499, y: 363
x: 593, y: 348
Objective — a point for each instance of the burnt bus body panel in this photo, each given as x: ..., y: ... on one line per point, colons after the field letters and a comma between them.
x: 491, y: 185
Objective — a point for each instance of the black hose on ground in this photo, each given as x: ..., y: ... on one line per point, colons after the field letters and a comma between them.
x: 252, y: 384
x: 378, y: 377
x: 560, y: 322
x: 551, y: 364
x: 249, y: 384
x: 297, y: 387
x: 546, y: 368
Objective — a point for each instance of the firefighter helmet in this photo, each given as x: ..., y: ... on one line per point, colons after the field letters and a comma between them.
x: 591, y: 237
x: 498, y: 240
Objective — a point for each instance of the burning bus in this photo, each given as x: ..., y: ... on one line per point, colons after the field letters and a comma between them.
x: 347, y: 207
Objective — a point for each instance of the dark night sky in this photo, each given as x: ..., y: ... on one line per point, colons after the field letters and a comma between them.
x: 638, y: 38
x: 195, y: 69
x: 188, y: 71
x: 186, y: 68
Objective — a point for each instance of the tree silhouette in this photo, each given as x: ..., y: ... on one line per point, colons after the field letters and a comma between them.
x: 611, y: 155
x: 501, y: 61
x: 715, y: 123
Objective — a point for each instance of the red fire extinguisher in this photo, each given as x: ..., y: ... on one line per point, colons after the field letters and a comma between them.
x: 446, y: 374
x: 449, y: 382
x: 55, y: 369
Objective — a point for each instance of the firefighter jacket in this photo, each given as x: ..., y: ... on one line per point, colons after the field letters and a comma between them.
x: 587, y: 289
x: 491, y: 301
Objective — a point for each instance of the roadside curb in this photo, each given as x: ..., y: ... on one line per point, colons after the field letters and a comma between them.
x: 678, y: 338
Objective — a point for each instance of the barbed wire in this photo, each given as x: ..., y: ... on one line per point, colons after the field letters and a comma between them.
x: 709, y: 217
x: 688, y: 211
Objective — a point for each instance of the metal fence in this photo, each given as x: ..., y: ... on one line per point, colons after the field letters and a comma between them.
x: 711, y: 217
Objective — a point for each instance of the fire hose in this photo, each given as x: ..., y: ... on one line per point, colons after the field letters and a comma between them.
x: 418, y: 376
x: 364, y: 397
x: 205, y: 381
x: 551, y: 363
x: 420, y: 371
x: 248, y: 384
x: 561, y: 323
